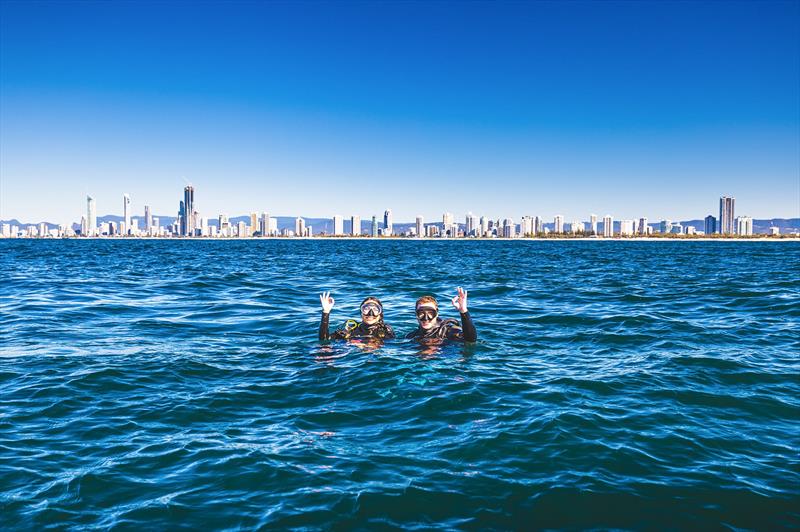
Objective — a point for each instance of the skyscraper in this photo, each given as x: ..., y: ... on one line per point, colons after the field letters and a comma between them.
x: 538, y: 225
x: 91, y: 216
x: 608, y: 226
x: 420, y: 226
x: 299, y: 227
x: 509, y: 228
x: 338, y: 225
x: 263, y: 226
x: 253, y: 222
x: 387, y: 222
x: 711, y: 225
x: 626, y: 228
x: 355, y: 225
x: 558, y: 223
x: 374, y: 231
x: 187, y: 224
x: 643, y: 226
x: 126, y: 213
x: 726, y: 216
x: 593, y: 223
x: 148, y: 220
x: 484, y: 226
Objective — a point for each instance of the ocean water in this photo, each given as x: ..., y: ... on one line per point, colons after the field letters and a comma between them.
x: 166, y: 385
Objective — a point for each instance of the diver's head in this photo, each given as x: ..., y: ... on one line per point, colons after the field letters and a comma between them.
x: 427, y: 311
x: 371, y: 311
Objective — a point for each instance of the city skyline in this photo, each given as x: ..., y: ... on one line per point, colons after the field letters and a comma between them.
x: 577, y: 106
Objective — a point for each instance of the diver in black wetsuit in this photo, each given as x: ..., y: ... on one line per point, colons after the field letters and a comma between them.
x: 432, y: 327
x: 371, y: 326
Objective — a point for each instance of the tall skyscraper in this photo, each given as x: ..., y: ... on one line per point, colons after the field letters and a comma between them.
x: 187, y: 223
x: 91, y: 216
x: 374, y: 229
x: 608, y: 226
x: 593, y: 223
x: 484, y: 226
x: 558, y: 223
x: 447, y: 224
x: 626, y: 228
x: 263, y: 226
x: 710, y: 225
x: 299, y: 227
x: 387, y: 223
x: 726, y: 217
x: 126, y: 213
x: 355, y: 225
x: 643, y: 226
x: 526, y: 226
x: 420, y: 226
x: 148, y: 220
x: 509, y: 228
x: 253, y: 222
x: 338, y: 225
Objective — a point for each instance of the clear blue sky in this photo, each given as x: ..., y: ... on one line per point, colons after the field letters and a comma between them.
x: 315, y: 109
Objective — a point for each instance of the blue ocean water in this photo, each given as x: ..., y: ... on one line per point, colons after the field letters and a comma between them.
x: 180, y: 384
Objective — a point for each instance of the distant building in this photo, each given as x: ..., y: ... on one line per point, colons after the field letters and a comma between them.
x: 299, y: 227
x: 91, y: 216
x: 577, y: 227
x: 148, y: 220
x: 338, y: 225
x: 484, y: 226
x: 187, y: 208
x: 374, y: 231
x: 626, y: 228
x: 355, y: 225
x: 126, y: 213
x: 665, y: 226
x: 608, y: 226
x: 593, y: 223
x: 710, y: 225
x: 387, y: 223
x: 538, y: 225
x: 420, y: 225
x: 744, y: 226
x: 643, y: 226
x: 558, y: 224
x: 509, y: 228
x: 263, y: 226
x: 774, y: 230
x: 526, y: 226
x: 726, y: 215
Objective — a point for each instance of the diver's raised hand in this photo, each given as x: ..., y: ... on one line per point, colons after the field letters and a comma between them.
x: 327, y: 302
x: 460, y: 300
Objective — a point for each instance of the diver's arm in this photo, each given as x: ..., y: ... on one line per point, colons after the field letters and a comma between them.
x: 327, y: 302
x: 323, y: 326
x: 468, y: 328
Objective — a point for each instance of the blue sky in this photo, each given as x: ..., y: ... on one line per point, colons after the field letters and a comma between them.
x: 315, y: 109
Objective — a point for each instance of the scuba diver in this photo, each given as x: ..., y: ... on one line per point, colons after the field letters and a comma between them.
x: 431, y: 326
x: 371, y: 326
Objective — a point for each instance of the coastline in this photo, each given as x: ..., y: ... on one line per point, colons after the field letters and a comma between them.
x: 764, y: 238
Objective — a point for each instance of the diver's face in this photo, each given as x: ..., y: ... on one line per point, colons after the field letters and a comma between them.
x: 426, y: 316
x: 371, y: 312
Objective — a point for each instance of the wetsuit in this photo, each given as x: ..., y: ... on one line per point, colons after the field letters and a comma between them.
x: 352, y: 329
x: 448, y: 329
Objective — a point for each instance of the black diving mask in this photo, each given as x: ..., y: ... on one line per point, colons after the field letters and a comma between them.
x: 370, y: 308
x: 426, y: 314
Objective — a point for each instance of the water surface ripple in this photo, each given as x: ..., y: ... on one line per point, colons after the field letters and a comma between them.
x: 148, y: 384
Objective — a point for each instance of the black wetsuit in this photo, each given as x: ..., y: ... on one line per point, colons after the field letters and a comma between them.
x: 351, y: 329
x: 448, y: 329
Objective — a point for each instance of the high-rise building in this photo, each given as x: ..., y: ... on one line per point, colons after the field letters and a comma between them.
x: 472, y: 224
x: 148, y: 220
x: 223, y: 225
x: 355, y: 225
x: 126, y: 213
x: 188, y: 222
x: 626, y: 228
x: 665, y: 226
x: 643, y: 226
x: 608, y: 226
x: 710, y: 225
x: 538, y: 225
x: 593, y: 223
x: 420, y: 226
x: 374, y: 229
x: 241, y: 230
x: 484, y: 226
x: 726, y: 215
x: 338, y: 225
x: 509, y: 228
x: 387, y: 223
x: 91, y: 216
x: 299, y: 227
x: 558, y: 224
x: 744, y: 226
x: 576, y: 227
x: 253, y: 222
x: 447, y: 225
x: 263, y: 226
